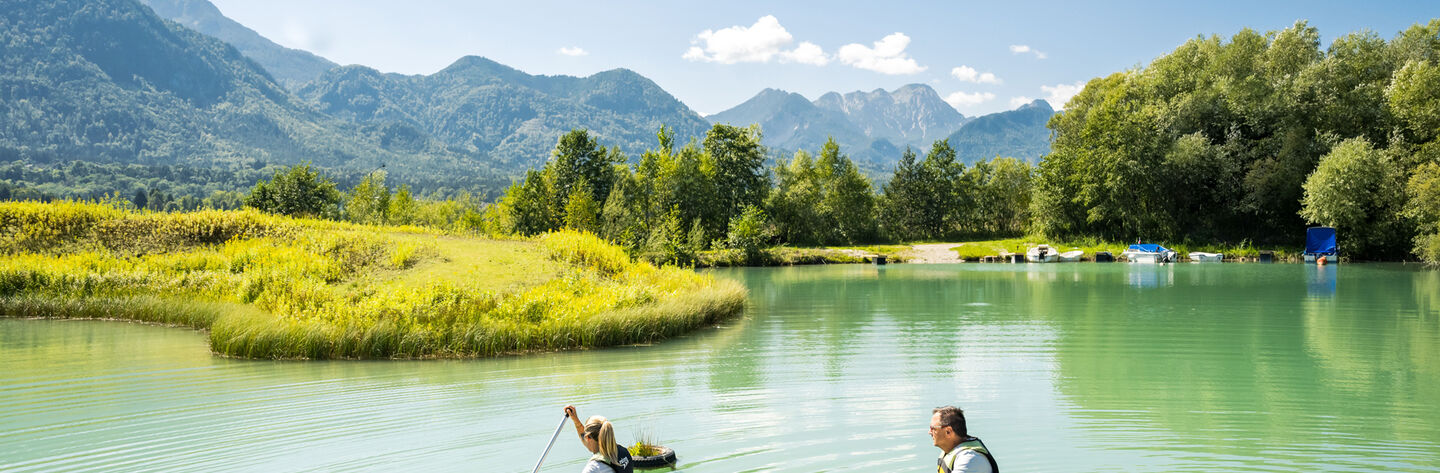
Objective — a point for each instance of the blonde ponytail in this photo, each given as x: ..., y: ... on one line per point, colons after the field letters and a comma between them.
x: 603, y: 432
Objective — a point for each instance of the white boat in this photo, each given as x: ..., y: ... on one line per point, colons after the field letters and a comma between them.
x: 1203, y: 257
x: 1148, y: 253
x: 1071, y: 256
x: 1041, y: 254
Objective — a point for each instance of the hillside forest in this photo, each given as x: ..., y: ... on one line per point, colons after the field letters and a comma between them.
x: 1249, y: 138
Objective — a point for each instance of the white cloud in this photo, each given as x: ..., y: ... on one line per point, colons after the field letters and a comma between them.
x: 1022, y: 49
x: 763, y: 41
x: 806, y: 53
x: 961, y: 99
x: 1016, y: 102
x: 1060, y: 93
x: 573, y: 51
x: 969, y: 74
x: 886, y: 57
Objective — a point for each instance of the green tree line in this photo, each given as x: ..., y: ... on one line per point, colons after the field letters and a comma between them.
x: 1255, y: 138
x: 721, y: 193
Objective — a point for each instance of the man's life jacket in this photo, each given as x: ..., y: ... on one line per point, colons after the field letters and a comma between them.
x: 970, y: 443
x: 622, y: 460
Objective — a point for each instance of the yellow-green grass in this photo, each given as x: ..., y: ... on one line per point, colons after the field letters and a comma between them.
x: 275, y: 287
x: 974, y: 250
x: 790, y: 256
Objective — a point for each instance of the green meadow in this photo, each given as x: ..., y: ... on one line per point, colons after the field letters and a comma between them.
x: 267, y: 286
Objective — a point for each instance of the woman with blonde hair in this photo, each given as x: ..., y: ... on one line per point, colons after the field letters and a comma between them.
x: 598, y: 435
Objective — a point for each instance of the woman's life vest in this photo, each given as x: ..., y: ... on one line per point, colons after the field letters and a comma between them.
x: 970, y: 443
x: 622, y: 460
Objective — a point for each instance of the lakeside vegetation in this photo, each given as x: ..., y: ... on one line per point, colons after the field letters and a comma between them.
x: 1254, y: 138
x: 1217, y: 145
x: 268, y: 286
x: 1223, y: 144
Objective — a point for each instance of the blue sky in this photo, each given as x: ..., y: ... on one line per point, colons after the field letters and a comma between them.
x: 714, y: 55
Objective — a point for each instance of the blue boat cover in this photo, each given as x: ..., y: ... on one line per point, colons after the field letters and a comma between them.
x: 1320, y: 241
x: 1148, y: 248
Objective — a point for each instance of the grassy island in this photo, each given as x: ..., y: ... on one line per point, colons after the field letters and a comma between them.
x: 266, y: 286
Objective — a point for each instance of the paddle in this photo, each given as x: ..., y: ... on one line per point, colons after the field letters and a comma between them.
x: 551, y: 444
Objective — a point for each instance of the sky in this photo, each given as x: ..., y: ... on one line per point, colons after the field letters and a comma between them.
x: 982, y: 57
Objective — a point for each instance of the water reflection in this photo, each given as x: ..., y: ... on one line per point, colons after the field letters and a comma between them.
x: 1255, y: 366
x: 1150, y: 276
x: 1320, y: 279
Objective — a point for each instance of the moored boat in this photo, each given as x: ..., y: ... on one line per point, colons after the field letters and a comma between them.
x: 1203, y: 257
x: 1071, y: 256
x: 1042, y: 254
x: 1148, y: 253
x: 1320, y: 242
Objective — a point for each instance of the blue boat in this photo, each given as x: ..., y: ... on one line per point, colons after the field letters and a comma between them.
x: 1148, y: 253
x: 1320, y: 241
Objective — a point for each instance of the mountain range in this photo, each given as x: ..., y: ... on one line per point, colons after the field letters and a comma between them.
x: 112, y: 82
x: 480, y: 106
x: 108, y: 82
x: 874, y: 126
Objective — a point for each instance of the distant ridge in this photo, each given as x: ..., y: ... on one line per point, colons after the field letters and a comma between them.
x: 1019, y: 133
x: 481, y: 106
x: 874, y: 127
x: 290, y: 67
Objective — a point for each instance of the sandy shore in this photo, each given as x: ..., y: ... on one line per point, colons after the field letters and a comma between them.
x: 934, y: 253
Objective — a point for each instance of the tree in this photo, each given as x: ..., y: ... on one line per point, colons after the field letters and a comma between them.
x: 940, y: 202
x: 141, y: 199
x: 667, y: 242
x: 526, y: 208
x: 1359, y: 191
x: 369, y: 201
x: 738, y: 160
x: 796, y: 201
x: 402, y: 208
x: 1414, y: 97
x: 224, y: 200
x: 580, y: 158
x: 685, y: 183
x: 902, y: 195
x: 848, y: 205
x: 581, y: 211
x: 1424, y: 209
x: 297, y: 191
x: 622, y: 217
x: 1002, y: 189
x: 749, y: 232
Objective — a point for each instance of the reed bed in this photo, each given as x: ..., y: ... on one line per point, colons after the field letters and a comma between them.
x: 274, y: 287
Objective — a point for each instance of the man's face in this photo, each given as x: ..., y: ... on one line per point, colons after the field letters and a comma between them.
x: 944, y: 436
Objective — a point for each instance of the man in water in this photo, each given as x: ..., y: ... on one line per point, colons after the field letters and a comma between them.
x: 961, y: 451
